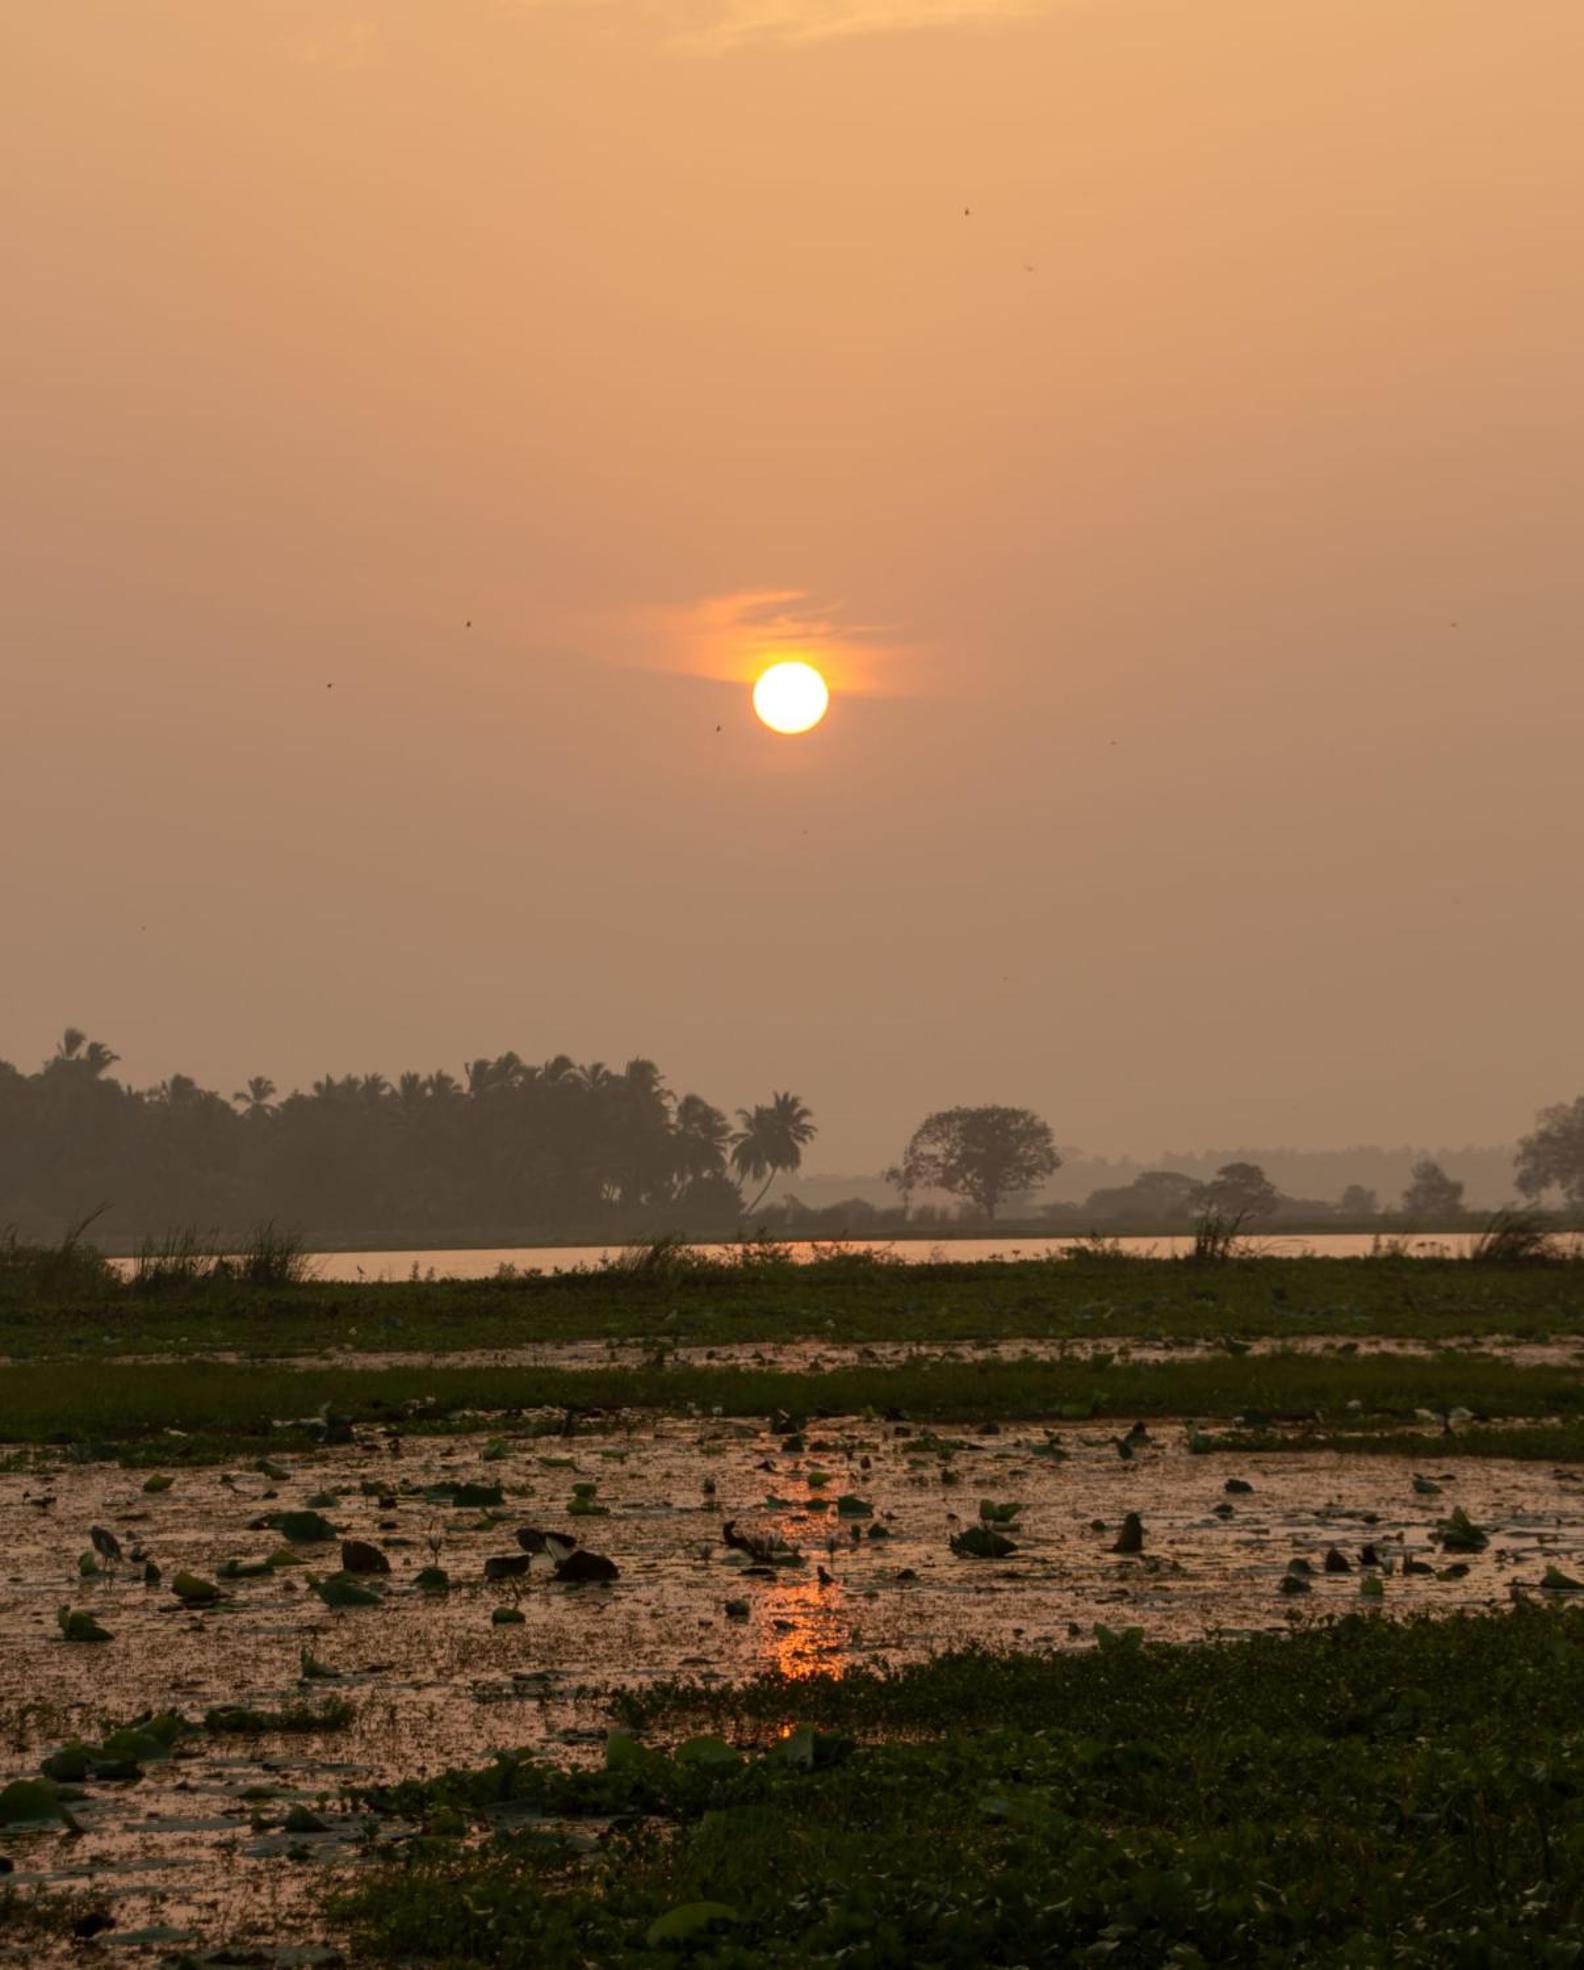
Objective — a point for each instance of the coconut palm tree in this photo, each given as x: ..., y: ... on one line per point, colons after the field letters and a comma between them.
x: 770, y: 1138
x: 258, y: 1097
x: 92, y: 1056
x: 702, y: 1136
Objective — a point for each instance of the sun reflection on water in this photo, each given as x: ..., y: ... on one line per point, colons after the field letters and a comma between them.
x: 803, y: 1630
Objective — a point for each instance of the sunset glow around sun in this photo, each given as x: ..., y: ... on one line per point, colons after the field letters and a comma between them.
x: 791, y: 697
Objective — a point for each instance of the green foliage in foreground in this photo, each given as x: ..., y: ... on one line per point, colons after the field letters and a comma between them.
x: 849, y: 1296
x: 1360, y: 1795
x: 227, y: 1407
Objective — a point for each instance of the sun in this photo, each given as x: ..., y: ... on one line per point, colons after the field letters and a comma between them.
x: 791, y: 697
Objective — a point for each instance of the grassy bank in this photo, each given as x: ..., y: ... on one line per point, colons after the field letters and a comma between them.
x: 1152, y: 1808
x: 225, y: 1407
x: 846, y: 1297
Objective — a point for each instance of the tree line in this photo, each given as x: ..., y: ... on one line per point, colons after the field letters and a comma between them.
x: 509, y: 1147
x: 513, y: 1150
x: 991, y: 1156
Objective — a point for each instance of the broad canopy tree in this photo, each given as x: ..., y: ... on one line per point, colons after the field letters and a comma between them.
x: 1431, y: 1194
x: 1551, y: 1157
x: 983, y: 1155
x: 1240, y: 1190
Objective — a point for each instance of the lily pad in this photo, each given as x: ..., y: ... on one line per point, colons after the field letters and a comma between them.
x: 27, y: 1800
x: 194, y: 1591
x: 1459, y: 1534
x: 980, y: 1543
x: 78, y: 1625
x: 690, y: 1923
x: 342, y: 1591
x: 303, y: 1528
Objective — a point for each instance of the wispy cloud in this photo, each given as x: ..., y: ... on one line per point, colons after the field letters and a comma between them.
x: 732, y: 637
x: 720, y: 26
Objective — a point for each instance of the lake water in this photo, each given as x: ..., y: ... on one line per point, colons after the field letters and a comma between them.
x: 199, y: 1848
x: 484, y: 1262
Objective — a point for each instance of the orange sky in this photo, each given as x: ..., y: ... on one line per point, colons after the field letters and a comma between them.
x: 1202, y: 515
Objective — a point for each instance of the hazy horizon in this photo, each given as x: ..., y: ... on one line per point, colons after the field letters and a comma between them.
x: 1161, y: 422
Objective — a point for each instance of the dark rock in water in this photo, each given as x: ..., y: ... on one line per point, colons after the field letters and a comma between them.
x: 532, y: 1540
x: 1416, y: 1566
x: 583, y: 1565
x: 1237, y: 1485
x: 1368, y: 1556
x: 94, y: 1923
x: 1131, y: 1538
x: 1336, y: 1562
x: 358, y: 1556
x: 151, y: 1575
x: 6, y: 1864
x: 1223, y: 1510
x: 1300, y: 1566
x: 507, y: 1566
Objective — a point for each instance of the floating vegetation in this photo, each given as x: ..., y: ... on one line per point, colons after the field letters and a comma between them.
x: 78, y: 1625
x: 982, y: 1542
x: 241, y: 1720
x: 341, y: 1590
x: 1459, y: 1534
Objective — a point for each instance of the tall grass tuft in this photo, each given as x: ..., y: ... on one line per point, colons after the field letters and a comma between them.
x: 272, y: 1255
x: 1218, y: 1236
x: 180, y: 1258
x: 667, y: 1256
x: 1515, y: 1238
x: 68, y: 1271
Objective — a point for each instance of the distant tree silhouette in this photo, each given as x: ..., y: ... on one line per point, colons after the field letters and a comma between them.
x: 1551, y: 1156
x: 703, y: 1136
x: 554, y: 1149
x: 769, y: 1139
x: 1359, y: 1201
x: 1153, y: 1197
x: 1240, y: 1190
x: 981, y: 1154
x: 1431, y: 1193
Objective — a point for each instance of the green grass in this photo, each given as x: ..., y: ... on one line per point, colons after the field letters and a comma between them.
x: 847, y: 1298
x: 226, y: 1407
x: 1366, y: 1794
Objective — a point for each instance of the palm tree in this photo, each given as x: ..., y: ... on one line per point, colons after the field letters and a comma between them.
x: 702, y: 1135
x: 768, y: 1139
x: 258, y: 1097
x: 93, y: 1056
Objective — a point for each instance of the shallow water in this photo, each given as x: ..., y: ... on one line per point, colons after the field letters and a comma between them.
x: 483, y: 1262
x: 435, y: 1683
x: 809, y: 1356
